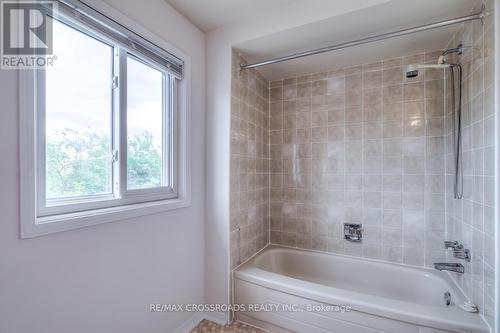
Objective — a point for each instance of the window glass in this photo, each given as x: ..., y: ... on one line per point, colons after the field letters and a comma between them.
x: 78, y: 115
x: 144, y: 125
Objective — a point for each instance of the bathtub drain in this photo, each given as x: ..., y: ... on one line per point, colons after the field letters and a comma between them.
x: 447, y: 298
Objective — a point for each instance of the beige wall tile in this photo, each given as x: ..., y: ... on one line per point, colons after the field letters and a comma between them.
x: 252, y: 117
x: 361, y: 144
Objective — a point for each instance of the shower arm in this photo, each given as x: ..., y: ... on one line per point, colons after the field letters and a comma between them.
x: 459, y: 49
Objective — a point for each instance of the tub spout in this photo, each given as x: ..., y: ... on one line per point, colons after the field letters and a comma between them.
x: 452, y: 267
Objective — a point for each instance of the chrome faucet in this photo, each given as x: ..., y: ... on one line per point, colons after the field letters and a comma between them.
x: 459, y: 250
x: 452, y: 267
x: 353, y: 232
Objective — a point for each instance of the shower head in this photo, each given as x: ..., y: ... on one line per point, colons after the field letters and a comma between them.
x: 413, y: 70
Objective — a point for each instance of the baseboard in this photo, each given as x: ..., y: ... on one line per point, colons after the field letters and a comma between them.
x: 189, y: 324
x: 221, y: 318
x: 217, y: 317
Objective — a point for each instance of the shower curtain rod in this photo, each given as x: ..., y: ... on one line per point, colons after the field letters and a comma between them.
x: 478, y: 16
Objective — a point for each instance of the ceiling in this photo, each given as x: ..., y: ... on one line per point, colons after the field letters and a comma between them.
x: 212, y: 14
x: 343, y: 20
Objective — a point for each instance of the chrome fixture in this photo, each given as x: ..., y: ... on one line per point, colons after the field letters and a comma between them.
x: 456, y: 107
x: 375, y: 38
x: 469, y: 307
x: 448, y: 245
x: 447, y: 298
x: 413, y: 70
x: 452, y: 267
x: 459, y: 250
x: 353, y: 232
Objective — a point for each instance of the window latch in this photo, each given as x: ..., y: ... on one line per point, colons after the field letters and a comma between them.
x: 114, y: 156
x: 114, y: 84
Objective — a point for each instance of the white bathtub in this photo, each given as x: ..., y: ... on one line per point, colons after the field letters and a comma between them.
x: 383, y: 297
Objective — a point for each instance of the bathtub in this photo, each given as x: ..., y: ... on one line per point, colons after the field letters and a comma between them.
x: 292, y: 290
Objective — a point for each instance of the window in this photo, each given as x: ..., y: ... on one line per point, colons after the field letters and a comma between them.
x: 108, y: 123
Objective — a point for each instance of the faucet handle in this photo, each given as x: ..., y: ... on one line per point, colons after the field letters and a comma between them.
x: 460, y: 252
x: 450, y: 244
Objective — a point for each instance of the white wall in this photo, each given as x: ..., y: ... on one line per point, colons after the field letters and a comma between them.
x: 103, y: 278
x: 497, y: 167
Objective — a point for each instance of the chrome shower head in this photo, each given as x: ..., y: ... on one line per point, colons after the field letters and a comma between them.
x: 411, y: 71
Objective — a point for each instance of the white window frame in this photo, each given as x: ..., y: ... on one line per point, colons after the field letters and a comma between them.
x: 39, y: 219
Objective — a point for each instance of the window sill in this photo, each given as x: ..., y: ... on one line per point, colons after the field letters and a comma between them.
x: 57, y: 223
